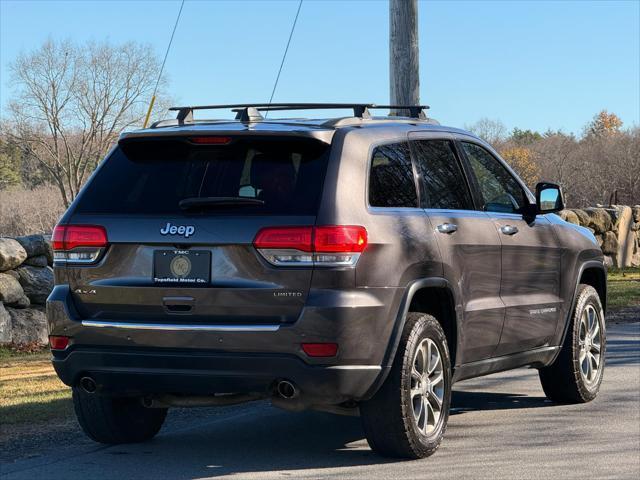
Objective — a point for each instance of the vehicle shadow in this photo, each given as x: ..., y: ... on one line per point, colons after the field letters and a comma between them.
x: 469, y: 401
x: 264, y: 439
x: 624, y: 350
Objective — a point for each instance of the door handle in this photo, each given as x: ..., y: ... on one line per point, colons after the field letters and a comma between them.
x: 447, y: 228
x: 509, y: 229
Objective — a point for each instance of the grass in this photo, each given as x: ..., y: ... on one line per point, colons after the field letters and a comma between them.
x: 623, y: 287
x: 31, y: 393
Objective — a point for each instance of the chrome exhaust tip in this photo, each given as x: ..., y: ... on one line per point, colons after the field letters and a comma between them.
x: 286, y: 389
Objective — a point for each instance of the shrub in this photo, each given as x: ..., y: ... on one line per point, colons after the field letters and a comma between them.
x: 24, y: 211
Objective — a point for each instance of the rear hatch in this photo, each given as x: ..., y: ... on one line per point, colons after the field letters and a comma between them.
x: 180, y: 216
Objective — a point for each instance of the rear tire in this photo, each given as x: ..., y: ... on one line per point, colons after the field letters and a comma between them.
x: 115, y: 420
x: 407, y: 417
x: 576, y: 374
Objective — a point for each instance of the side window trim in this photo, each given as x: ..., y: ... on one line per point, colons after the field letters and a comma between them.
x: 472, y: 181
x: 426, y: 136
x: 372, y: 147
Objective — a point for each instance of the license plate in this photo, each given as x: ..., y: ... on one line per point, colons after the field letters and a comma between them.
x: 182, y: 267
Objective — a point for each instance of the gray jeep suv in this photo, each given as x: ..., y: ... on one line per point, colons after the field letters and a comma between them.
x: 357, y: 265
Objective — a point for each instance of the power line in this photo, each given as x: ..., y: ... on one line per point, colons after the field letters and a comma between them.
x: 284, y: 56
x: 166, y: 54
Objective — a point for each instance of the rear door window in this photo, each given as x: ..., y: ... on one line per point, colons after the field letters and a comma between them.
x: 391, y: 180
x: 445, y: 186
x: 245, y: 176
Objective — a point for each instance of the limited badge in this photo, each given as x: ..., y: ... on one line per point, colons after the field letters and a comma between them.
x: 180, y: 266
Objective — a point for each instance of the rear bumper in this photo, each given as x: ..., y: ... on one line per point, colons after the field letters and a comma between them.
x: 146, y: 371
x: 148, y: 358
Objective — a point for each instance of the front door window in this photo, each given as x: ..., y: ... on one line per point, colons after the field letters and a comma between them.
x: 499, y: 190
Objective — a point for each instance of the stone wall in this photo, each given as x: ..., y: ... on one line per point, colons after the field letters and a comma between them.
x: 617, y: 229
x: 26, y: 279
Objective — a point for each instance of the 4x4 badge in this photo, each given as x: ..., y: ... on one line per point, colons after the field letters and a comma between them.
x: 185, y: 230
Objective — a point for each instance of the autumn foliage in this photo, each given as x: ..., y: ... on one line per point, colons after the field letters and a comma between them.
x: 523, y: 161
x: 605, y: 123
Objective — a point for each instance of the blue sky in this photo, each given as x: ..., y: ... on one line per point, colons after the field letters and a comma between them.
x: 531, y: 64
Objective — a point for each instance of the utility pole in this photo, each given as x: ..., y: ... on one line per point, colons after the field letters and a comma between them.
x: 404, y: 74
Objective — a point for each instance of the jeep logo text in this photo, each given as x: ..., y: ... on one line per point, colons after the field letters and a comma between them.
x: 184, y: 230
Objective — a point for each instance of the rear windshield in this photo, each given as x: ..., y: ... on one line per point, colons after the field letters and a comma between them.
x: 153, y: 176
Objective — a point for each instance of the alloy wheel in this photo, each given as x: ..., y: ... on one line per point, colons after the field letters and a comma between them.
x: 590, y: 345
x: 427, y: 386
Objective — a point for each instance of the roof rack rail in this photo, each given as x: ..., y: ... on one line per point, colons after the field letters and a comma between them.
x: 250, y: 112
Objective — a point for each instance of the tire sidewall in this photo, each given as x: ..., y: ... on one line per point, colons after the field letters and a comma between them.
x: 425, y: 327
x: 588, y: 297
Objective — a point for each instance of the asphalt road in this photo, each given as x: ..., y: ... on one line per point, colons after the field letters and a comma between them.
x: 501, y: 427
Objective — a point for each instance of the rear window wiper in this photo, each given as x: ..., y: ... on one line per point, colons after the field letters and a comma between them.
x: 196, y: 202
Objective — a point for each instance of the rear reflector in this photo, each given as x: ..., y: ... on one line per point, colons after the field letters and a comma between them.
x: 58, y: 342
x: 320, y: 349
x: 78, y: 243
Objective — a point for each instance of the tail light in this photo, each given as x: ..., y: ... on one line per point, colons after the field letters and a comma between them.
x: 78, y: 243
x: 329, y: 246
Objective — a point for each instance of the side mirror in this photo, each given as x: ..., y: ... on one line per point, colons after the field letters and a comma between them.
x: 549, y: 198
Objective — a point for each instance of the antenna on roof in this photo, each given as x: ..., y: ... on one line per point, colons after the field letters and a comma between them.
x: 284, y: 56
x: 166, y: 54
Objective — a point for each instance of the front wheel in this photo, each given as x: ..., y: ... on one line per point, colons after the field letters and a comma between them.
x: 408, y: 415
x: 576, y: 375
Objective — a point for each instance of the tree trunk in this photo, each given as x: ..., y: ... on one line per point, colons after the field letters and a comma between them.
x: 404, y: 74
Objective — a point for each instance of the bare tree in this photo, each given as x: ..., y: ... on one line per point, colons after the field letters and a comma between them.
x: 608, y: 169
x: 630, y: 155
x: 72, y: 102
x: 555, y: 153
x: 599, y: 168
x: 491, y: 131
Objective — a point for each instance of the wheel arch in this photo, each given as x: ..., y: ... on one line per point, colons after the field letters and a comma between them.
x: 596, y: 276
x: 439, y: 302
x: 432, y: 295
x: 592, y: 273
